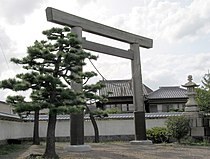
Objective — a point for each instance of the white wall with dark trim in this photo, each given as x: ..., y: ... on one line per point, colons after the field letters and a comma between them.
x: 108, y: 127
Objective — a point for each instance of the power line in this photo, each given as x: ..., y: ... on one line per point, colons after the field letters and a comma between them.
x: 121, y: 86
x: 104, y: 79
x: 97, y: 70
x: 4, y: 56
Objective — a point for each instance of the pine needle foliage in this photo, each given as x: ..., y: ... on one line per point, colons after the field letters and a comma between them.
x: 52, y: 66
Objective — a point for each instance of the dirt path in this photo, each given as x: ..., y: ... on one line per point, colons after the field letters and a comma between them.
x: 121, y: 151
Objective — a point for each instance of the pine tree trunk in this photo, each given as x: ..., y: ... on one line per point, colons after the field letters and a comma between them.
x: 50, y: 142
x: 36, y: 140
x: 95, y: 126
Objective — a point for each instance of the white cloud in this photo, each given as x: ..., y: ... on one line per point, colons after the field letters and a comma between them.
x: 148, y: 20
x: 7, y: 47
x: 14, y: 12
x: 175, y: 28
x: 188, y: 22
x: 84, y: 2
x: 167, y: 69
x: 180, y: 29
x: 5, y: 40
x: 167, y: 20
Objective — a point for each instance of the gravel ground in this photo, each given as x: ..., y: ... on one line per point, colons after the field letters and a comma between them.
x: 120, y: 150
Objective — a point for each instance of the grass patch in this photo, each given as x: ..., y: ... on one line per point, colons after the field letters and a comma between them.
x: 189, y: 141
x: 6, y: 149
x: 197, y: 143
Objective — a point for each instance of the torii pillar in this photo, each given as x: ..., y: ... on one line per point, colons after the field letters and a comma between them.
x: 135, y: 41
x: 138, y: 101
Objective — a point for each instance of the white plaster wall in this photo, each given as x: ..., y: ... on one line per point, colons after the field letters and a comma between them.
x: 42, y: 128
x: 5, y: 108
x: 116, y: 127
x: 150, y: 123
x: 62, y: 128
x: 12, y: 129
x: 15, y: 130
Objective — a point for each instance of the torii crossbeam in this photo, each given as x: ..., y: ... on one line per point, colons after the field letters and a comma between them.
x: 79, y: 24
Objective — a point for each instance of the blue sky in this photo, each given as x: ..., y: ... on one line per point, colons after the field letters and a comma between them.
x: 180, y: 30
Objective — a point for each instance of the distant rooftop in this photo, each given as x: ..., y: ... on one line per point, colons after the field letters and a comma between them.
x: 121, y: 88
x: 168, y: 92
x: 3, y: 102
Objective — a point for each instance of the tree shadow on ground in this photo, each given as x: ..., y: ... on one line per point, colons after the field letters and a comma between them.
x: 23, y: 148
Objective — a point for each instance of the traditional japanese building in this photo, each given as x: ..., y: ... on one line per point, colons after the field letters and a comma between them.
x: 121, y: 94
x: 164, y: 99
x: 5, y: 108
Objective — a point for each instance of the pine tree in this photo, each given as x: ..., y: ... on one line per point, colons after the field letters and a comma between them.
x: 206, y: 81
x: 203, y: 94
x: 24, y: 82
x: 90, y: 95
x: 53, y: 65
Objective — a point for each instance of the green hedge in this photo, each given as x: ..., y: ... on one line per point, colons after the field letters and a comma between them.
x: 178, y: 126
x: 158, y: 134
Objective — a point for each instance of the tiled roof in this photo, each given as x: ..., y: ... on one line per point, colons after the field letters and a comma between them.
x: 6, y: 116
x: 86, y: 117
x: 110, y: 116
x: 121, y: 88
x: 168, y: 92
x: 146, y: 90
x: 3, y: 102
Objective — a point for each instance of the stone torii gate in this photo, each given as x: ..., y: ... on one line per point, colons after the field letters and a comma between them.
x: 79, y: 24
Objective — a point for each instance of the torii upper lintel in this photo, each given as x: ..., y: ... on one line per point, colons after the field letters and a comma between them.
x: 63, y: 18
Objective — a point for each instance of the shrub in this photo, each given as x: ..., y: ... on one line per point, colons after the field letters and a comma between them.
x: 178, y: 127
x: 114, y: 110
x: 197, y: 141
x: 158, y: 134
x: 99, y: 113
x: 176, y: 110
